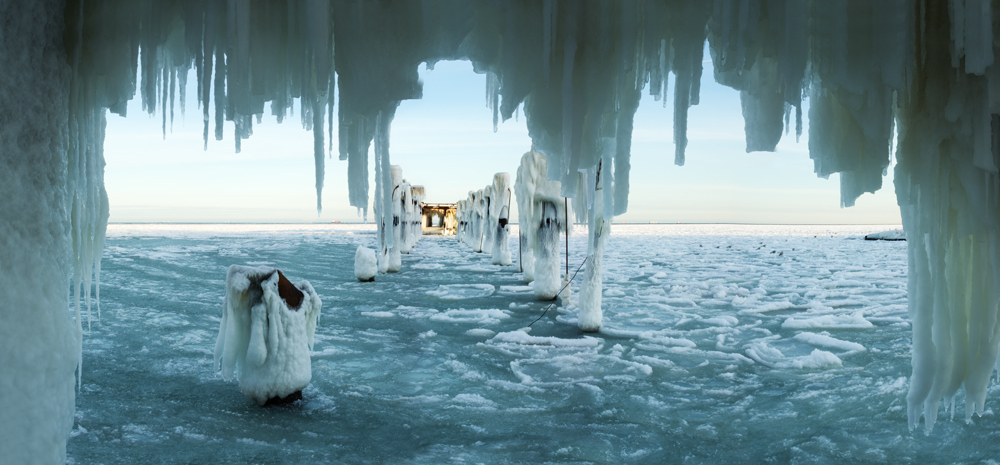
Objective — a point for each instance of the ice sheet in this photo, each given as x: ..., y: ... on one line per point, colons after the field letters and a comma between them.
x: 670, y: 360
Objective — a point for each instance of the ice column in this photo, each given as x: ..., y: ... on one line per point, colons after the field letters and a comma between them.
x: 547, y: 283
x: 479, y: 219
x: 39, y: 345
x: 501, y: 209
x: 598, y: 230
x: 488, y: 220
x: 460, y: 220
x: 470, y: 204
x: 405, y: 218
x: 266, y: 333
x: 541, y: 215
x: 529, y: 172
x: 395, y: 261
x: 416, y: 221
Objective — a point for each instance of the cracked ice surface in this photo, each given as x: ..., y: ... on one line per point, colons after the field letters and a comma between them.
x: 697, y: 359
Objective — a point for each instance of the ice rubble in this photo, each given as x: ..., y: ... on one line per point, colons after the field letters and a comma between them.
x: 265, y: 337
x: 925, y: 69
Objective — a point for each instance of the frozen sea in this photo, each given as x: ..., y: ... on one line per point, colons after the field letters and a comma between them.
x: 721, y: 344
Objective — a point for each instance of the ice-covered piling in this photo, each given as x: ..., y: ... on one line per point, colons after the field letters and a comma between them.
x: 547, y: 263
x: 488, y: 230
x: 395, y: 261
x: 542, y: 216
x: 478, y: 222
x: 500, y: 214
x: 598, y: 228
x: 416, y: 220
x: 481, y: 220
x: 266, y: 333
x: 405, y: 218
x: 524, y: 192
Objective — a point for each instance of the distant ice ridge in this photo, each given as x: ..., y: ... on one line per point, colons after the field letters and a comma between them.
x: 264, y: 337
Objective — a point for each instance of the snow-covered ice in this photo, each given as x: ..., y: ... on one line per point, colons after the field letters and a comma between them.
x: 403, y: 374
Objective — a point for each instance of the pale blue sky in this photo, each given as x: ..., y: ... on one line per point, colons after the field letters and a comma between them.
x: 446, y: 142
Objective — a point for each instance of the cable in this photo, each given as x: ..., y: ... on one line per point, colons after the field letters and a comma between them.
x: 560, y: 292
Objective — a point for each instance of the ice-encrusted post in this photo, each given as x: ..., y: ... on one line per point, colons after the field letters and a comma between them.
x: 590, y: 315
x: 416, y: 221
x: 479, y: 206
x: 524, y: 192
x: 501, y: 207
x: 459, y: 219
x: 488, y: 220
x: 266, y: 333
x: 546, y: 284
x: 394, y: 260
x: 405, y: 218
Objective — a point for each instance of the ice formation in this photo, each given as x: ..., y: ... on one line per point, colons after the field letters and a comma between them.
x: 393, y: 238
x: 481, y: 220
x: 416, y: 221
x: 478, y: 207
x: 266, y: 333
x: 365, y: 264
x: 499, y: 214
x: 405, y: 214
x: 920, y: 68
x: 541, y: 214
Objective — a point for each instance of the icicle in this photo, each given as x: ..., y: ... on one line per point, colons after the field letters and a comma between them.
x: 318, y: 153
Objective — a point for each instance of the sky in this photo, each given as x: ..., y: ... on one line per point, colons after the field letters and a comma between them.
x: 446, y: 143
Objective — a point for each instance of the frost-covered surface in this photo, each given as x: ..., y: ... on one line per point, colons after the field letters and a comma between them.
x: 264, y: 340
x: 429, y: 364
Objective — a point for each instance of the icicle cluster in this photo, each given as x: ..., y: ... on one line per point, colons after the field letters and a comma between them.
x: 948, y: 191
